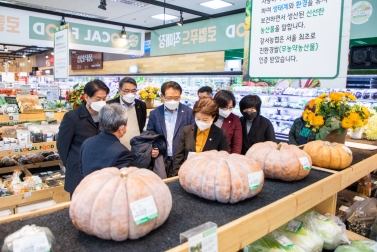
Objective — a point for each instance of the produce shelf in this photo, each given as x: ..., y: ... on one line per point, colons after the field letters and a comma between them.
x: 233, y: 234
x: 33, y: 117
x: 29, y: 148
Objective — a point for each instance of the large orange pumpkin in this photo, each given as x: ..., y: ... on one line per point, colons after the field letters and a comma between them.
x: 101, y: 202
x: 221, y: 176
x: 283, y: 161
x: 329, y: 155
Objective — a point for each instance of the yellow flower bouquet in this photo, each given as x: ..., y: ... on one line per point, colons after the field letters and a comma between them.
x: 149, y: 92
x: 334, y: 112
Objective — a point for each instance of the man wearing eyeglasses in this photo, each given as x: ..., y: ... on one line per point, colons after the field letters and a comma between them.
x: 136, y: 109
x: 169, y: 120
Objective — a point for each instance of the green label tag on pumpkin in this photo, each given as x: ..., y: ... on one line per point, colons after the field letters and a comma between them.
x: 255, y: 179
x: 347, y: 149
x: 144, y: 210
x: 305, y: 163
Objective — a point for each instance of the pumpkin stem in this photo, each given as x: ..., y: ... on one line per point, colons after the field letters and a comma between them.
x: 124, y: 175
x: 279, y: 146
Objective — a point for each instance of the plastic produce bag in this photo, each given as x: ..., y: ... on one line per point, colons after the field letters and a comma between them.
x: 273, y: 242
x: 359, y: 246
x: 301, y: 236
x: 30, y: 237
x: 363, y: 218
x: 329, y: 231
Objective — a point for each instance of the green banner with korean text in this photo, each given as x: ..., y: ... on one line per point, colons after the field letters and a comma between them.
x: 215, y: 34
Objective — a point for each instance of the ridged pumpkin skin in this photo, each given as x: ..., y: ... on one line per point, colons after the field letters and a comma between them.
x: 328, y: 155
x: 280, y: 163
x: 218, y: 175
x: 100, y: 203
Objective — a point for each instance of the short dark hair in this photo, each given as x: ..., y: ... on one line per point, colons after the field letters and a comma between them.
x: 206, y: 106
x: 251, y: 101
x: 127, y: 80
x: 93, y: 86
x: 223, y: 97
x: 170, y: 84
x: 206, y: 89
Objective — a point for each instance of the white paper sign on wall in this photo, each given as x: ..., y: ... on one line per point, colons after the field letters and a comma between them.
x: 295, y: 39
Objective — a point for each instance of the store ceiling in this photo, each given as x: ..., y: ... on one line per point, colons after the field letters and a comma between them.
x: 11, y: 52
x: 129, y: 12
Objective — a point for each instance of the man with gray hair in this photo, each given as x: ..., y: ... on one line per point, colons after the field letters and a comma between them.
x: 105, y: 149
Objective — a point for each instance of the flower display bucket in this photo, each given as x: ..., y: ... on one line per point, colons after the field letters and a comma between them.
x: 357, y: 134
x: 334, y: 137
x: 149, y: 103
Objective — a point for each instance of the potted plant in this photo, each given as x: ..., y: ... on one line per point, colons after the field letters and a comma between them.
x: 333, y: 115
x: 148, y: 94
x: 76, y: 96
x: 59, y: 105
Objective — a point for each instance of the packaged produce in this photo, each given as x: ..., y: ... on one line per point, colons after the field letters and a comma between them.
x: 273, y: 242
x: 52, y: 157
x: 323, y: 226
x: 5, y: 192
x: 36, y: 157
x: 30, y: 238
x: 363, y: 217
x: 23, y: 137
x: 10, y: 108
x: 302, y: 236
x: 364, y: 186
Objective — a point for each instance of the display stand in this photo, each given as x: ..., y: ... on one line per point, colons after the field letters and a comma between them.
x: 32, y: 117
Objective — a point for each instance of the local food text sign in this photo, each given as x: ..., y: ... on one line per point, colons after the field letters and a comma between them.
x: 295, y: 38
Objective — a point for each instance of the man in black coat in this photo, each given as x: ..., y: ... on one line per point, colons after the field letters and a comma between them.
x: 137, y: 110
x: 105, y: 149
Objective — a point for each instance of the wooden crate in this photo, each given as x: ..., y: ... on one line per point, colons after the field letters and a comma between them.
x: 30, y: 148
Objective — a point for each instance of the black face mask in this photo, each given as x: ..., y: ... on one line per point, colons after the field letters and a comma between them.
x: 249, y: 116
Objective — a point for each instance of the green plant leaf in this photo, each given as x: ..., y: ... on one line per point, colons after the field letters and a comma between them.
x: 340, y: 130
x: 323, y: 132
x: 332, y: 123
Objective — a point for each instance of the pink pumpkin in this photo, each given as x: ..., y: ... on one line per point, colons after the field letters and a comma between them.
x: 101, y: 202
x: 283, y: 161
x: 218, y: 175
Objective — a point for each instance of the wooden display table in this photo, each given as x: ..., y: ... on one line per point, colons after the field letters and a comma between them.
x: 33, y: 117
x: 240, y: 232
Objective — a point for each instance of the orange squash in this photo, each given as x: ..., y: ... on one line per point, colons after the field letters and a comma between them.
x: 329, y: 155
x: 218, y: 175
x: 283, y: 161
x: 101, y: 202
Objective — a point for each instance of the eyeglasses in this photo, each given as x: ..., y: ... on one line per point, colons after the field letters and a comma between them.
x: 127, y: 91
x: 171, y: 98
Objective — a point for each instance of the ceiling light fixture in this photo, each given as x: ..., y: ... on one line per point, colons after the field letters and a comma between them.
x: 52, y: 53
x: 133, y: 3
x: 62, y: 22
x: 123, y: 33
x: 180, y: 23
x: 5, y: 48
x: 102, y: 5
x: 167, y: 17
x: 28, y: 59
x: 216, y: 4
x: 46, y: 55
x: 23, y: 56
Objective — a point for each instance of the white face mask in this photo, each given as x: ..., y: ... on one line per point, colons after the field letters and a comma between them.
x: 96, y: 106
x: 224, y: 113
x: 171, y: 104
x: 129, y: 98
x: 203, y: 125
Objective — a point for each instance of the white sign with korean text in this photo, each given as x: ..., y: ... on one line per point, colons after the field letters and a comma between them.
x: 295, y: 38
x: 61, y: 54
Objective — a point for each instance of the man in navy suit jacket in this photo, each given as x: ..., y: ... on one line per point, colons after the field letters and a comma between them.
x: 169, y: 120
x: 105, y: 149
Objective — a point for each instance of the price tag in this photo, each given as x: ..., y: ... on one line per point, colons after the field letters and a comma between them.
x: 31, y: 243
x: 305, y: 163
x: 144, y: 210
x: 255, y: 179
x: 294, y: 226
x: 7, y: 147
x: 27, y: 195
x: 343, y: 208
x: 14, y: 116
x: 347, y: 149
x: 284, y: 241
x: 205, y: 241
x: 15, y: 85
x: 357, y: 198
x: 2, y: 85
x: 49, y: 115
